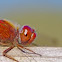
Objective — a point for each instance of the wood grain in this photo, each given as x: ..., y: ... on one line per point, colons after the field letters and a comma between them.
x: 49, y: 54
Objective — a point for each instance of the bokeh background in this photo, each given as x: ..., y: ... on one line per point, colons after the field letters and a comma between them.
x: 45, y: 16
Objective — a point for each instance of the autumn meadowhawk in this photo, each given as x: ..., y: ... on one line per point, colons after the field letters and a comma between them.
x: 18, y: 37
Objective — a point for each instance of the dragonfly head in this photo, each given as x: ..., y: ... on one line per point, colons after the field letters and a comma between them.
x: 27, y: 35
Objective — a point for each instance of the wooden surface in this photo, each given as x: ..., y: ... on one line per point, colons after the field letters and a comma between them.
x: 49, y: 54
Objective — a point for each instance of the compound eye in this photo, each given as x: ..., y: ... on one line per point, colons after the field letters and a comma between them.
x: 25, y: 33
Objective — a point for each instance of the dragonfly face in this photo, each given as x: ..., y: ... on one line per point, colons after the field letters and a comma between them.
x: 27, y: 35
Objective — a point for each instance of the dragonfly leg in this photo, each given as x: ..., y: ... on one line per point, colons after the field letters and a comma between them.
x: 4, y: 43
x: 19, y: 46
x: 6, y: 51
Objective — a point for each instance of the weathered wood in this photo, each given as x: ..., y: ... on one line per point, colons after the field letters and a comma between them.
x: 49, y: 54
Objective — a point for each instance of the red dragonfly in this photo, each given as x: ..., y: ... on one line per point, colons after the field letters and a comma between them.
x: 16, y: 37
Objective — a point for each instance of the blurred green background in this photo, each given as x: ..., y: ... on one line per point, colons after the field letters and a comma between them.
x: 45, y: 16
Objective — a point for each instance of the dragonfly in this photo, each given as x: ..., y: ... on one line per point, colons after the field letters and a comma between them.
x: 17, y: 37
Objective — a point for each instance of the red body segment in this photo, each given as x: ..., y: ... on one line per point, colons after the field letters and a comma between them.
x: 7, y: 31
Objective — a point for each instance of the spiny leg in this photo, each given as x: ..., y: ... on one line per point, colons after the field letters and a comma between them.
x: 6, y: 51
x: 19, y: 46
x: 27, y: 52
